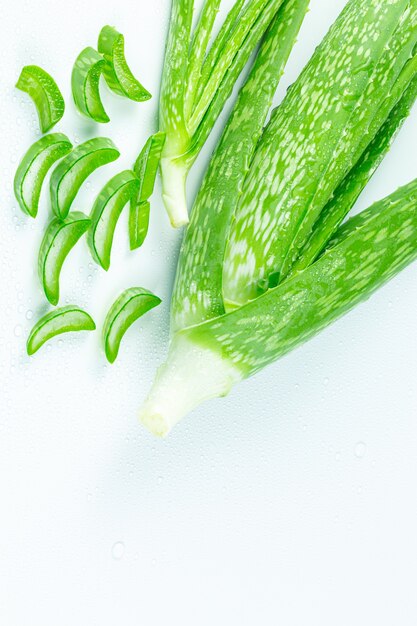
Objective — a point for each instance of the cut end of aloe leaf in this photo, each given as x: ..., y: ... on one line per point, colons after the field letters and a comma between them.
x: 174, y: 178
x: 190, y: 375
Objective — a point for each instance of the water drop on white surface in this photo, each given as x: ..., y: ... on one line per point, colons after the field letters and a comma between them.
x: 29, y: 314
x: 18, y: 331
x: 360, y: 450
x: 118, y: 550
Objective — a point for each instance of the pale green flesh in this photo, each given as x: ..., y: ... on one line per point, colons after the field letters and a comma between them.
x: 85, y: 80
x: 106, y: 213
x: 75, y: 168
x: 60, y: 237
x: 129, y: 307
x: 198, y: 290
x: 333, y: 110
x: 33, y: 168
x: 45, y: 93
x: 64, y: 320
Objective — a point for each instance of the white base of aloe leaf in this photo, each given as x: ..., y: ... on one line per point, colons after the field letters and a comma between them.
x: 190, y: 375
x: 174, y: 176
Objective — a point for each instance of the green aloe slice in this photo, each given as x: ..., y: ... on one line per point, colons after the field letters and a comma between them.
x: 59, y: 239
x: 45, y: 93
x: 64, y: 320
x: 85, y: 83
x: 146, y: 168
x: 33, y: 168
x: 129, y: 306
x: 107, y: 209
x: 75, y: 168
x: 117, y: 73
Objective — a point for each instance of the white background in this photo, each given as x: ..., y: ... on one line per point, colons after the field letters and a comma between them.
x: 291, y: 502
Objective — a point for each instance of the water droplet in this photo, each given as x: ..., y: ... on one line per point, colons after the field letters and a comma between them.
x: 29, y: 314
x: 360, y: 450
x: 18, y: 331
x: 118, y: 550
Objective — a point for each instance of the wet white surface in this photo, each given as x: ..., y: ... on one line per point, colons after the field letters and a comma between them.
x: 290, y: 502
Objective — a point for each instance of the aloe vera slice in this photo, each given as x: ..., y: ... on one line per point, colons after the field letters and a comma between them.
x: 75, y: 168
x: 129, y: 306
x: 33, y: 168
x: 64, y: 320
x: 106, y: 212
x: 45, y: 93
x: 59, y: 239
x: 145, y: 168
x: 85, y: 84
x: 117, y: 73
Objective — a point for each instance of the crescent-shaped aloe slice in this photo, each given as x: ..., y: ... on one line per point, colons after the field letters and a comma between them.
x: 60, y: 237
x: 70, y: 174
x: 33, y: 168
x: 129, y: 306
x: 106, y: 212
x: 64, y: 320
x: 85, y: 84
x: 145, y: 168
x: 117, y: 73
x: 45, y: 93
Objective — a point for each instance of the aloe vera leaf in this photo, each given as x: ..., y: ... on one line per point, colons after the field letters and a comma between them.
x: 171, y: 105
x: 309, y: 145
x: 226, y: 87
x: 388, y: 103
x: 171, y: 109
x: 198, y: 289
x: 246, y: 21
x: 198, y: 49
x: 223, y: 35
x: 207, y: 359
x: 350, y: 189
x: 181, y: 150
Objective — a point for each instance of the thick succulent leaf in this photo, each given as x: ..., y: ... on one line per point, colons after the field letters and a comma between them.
x: 198, y: 49
x: 198, y: 290
x: 313, y: 140
x: 367, y: 253
x: 350, y: 189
